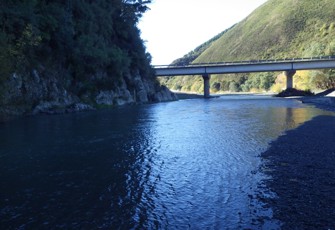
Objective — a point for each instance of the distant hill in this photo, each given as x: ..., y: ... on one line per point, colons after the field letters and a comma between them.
x: 277, y: 29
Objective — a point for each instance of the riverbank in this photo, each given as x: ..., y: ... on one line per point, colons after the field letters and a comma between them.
x: 321, y: 102
x: 186, y: 95
x: 193, y: 95
x: 324, y: 100
x: 301, y: 167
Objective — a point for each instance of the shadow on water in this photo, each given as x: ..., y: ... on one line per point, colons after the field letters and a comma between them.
x: 185, y: 164
x: 61, y: 171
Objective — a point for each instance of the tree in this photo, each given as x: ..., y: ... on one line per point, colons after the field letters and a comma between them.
x: 233, y: 87
x: 78, y: 38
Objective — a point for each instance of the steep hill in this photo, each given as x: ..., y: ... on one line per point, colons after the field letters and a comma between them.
x: 194, y: 54
x: 277, y: 29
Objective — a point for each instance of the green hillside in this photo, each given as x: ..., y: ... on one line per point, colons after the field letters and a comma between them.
x: 194, y: 54
x: 277, y: 29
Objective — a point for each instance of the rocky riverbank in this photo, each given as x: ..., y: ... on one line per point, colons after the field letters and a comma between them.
x: 300, y: 165
x: 301, y: 171
x: 321, y: 102
x: 49, y: 93
x: 324, y: 100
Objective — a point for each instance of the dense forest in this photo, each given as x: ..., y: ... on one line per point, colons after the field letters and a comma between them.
x: 81, y: 35
x: 273, y: 31
x: 73, y: 51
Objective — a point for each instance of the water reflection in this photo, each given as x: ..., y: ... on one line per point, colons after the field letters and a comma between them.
x: 186, y: 164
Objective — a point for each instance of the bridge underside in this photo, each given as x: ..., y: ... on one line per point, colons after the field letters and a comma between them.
x: 206, y: 77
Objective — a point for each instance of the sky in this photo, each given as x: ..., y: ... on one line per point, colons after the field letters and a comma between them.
x: 172, y: 28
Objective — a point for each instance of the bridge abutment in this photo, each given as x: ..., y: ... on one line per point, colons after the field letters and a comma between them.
x: 289, y: 78
x: 207, y: 79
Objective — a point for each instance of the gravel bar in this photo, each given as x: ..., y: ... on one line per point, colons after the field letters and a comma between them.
x: 301, y: 170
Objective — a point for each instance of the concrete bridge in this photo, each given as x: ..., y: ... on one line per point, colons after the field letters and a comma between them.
x: 288, y: 66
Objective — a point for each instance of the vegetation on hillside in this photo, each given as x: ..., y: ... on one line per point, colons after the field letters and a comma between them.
x: 81, y: 37
x: 194, y: 54
x: 304, y: 29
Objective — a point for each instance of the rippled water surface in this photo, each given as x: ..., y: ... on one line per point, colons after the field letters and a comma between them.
x: 190, y: 164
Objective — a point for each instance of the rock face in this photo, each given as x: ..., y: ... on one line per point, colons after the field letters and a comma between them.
x: 134, y: 90
x: 39, y: 92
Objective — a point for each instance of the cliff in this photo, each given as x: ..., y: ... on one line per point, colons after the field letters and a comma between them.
x: 42, y: 92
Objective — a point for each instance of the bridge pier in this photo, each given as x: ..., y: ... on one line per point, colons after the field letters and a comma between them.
x: 206, y: 78
x: 289, y: 78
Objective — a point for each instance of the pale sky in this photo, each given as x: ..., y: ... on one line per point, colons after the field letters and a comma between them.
x: 172, y: 28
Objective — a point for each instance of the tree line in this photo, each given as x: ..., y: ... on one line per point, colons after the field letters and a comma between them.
x: 81, y: 36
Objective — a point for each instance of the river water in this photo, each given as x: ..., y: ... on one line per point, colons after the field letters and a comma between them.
x: 189, y: 164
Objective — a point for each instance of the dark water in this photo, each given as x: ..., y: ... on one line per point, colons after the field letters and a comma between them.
x: 190, y: 164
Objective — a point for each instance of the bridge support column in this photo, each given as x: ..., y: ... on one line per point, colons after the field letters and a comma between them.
x: 289, y: 78
x: 206, y: 78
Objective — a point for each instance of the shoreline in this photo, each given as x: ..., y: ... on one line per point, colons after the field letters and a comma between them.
x: 322, y: 102
x: 301, y: 175
x: 300, y: 171
x: 193, y: 95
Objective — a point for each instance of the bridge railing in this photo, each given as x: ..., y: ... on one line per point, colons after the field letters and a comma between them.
x: 250, y: 62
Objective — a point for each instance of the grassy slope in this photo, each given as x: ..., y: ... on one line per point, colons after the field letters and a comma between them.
x: 277, y: 29
x: 191, y: 56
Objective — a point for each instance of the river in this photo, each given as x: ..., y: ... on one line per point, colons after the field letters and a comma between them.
x: 188, y: 164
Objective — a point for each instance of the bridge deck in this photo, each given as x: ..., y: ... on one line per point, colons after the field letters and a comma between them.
x: 247, y: 66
